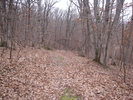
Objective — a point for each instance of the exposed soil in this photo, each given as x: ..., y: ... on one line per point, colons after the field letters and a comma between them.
x: 37, y: 74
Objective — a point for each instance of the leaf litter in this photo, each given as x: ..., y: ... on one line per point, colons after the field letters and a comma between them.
x: 44, y: 75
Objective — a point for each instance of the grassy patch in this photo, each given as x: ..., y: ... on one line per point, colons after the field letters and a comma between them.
x: 67, y: 90
x: 59, y: 58
x: 47, y: 48
x: 65, y: 63
x: 68, y: 95
x: 65, y: 97
x: 62, y: 64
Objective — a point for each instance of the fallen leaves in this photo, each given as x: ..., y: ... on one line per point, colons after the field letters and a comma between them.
x: 45, y: 75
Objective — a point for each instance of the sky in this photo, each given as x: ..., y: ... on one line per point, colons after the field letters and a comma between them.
x: 63, y: 4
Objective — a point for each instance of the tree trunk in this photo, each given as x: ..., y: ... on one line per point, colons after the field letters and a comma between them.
x: 111, y: 30
x: 39, y: 22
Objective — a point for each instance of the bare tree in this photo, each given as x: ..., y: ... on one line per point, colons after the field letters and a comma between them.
x: 101, y: 26
x: 48, y: 4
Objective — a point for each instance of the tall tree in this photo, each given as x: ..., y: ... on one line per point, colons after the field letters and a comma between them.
x: 101, y: 26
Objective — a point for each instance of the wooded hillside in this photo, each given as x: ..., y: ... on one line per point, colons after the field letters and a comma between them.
x: 99, y: 30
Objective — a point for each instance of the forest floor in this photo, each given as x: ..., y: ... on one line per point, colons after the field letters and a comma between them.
x: 43, y: 74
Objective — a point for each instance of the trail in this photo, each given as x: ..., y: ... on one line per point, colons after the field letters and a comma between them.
x: 44, y: 75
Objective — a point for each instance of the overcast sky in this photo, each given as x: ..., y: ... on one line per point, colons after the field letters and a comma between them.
x: 63, y: 3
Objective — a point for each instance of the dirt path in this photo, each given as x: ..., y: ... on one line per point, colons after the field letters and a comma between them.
x: 44, y: 75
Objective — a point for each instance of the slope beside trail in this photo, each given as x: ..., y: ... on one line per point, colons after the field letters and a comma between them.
x: 44, y: 75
